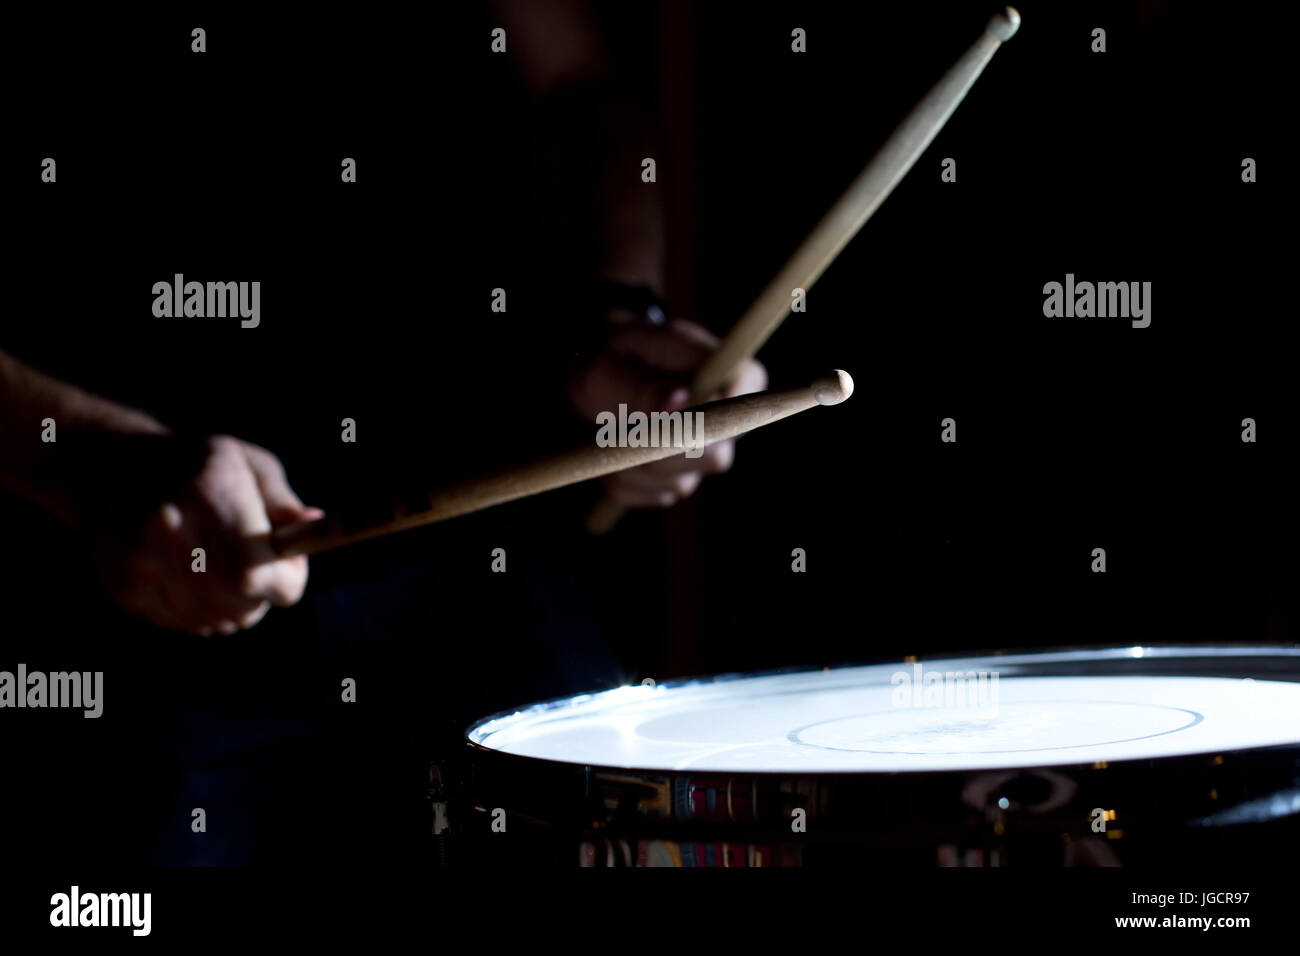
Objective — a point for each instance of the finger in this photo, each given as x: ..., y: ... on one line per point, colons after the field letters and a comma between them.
x: 694, y: 332
x: 204, y: 606
x: 281, y: 582
x: 670, y: 349
x: 715, y: 459
x: 640, y: 479
x: 638, y: 498
x: 251, y: 618
x: 611, y: 381
x: 684, y: 485
x: 182, y: 616
x: 750, y: 377
x: 148, y: 587
x: 630, y: 499
x: 718, y: 458
x: 681, y: 485
x: 258, y: 581
x: 227, y: 626
x: 203, y: 600
x: 228, y: 489
x: 281, y: 502
x: 175, y: 613
x: 147, y: 600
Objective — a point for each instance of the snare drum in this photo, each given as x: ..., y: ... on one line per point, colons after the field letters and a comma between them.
x: 1137, y: 755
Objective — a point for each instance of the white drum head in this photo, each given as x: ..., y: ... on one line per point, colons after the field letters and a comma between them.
x: 967, y: 714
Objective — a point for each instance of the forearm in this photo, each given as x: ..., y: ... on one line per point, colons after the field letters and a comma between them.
x: 34, y: 408
x: 594, y: 130
x: 632, y: 216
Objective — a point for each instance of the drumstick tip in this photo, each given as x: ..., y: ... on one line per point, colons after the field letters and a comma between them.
x: 1003, y: 25
x: 833, y: 388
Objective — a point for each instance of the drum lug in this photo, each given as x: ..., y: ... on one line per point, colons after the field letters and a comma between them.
x: 437, y: 796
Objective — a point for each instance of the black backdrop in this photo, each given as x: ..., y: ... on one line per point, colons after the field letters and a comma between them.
x: 1073, y: 434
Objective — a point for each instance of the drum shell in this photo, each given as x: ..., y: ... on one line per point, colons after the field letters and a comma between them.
x: 1154, y: 811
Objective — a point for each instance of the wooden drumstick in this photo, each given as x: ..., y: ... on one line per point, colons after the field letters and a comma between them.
x: 718, y: 421
x: 872, y: 186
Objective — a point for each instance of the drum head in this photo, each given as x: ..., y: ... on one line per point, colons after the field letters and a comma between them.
x: 965, y: 714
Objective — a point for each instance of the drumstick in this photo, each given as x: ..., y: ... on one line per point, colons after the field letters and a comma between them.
x: 717, y: 421
x: 873, y: 185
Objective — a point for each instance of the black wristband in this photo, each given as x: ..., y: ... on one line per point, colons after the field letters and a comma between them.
x: 606, y: 295
x: 640, y: 300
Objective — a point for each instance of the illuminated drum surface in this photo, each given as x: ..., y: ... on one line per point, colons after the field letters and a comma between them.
x: 873, y: 719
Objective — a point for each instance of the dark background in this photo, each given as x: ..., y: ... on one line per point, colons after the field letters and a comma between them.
x: 1073, y: 434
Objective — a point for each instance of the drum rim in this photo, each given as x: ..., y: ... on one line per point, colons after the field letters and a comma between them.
x: 1104, y: 652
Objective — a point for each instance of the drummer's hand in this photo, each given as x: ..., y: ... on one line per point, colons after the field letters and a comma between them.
x: 234, y: 490
x: 649, y: 368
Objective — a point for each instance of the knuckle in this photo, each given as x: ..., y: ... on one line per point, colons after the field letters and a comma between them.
x: 268, y: 460
x: 718, y: 458
x: 165, y: 520
x: 685, y: 485
x: 286, y: 586
x: 222, y: 444
x: 289, y: 591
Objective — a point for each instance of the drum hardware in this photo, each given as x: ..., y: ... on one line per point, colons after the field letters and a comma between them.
x: 1094, y: 757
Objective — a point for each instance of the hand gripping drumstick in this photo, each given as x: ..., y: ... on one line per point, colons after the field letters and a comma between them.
x: 873, y: 185
x: 720, y: 421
